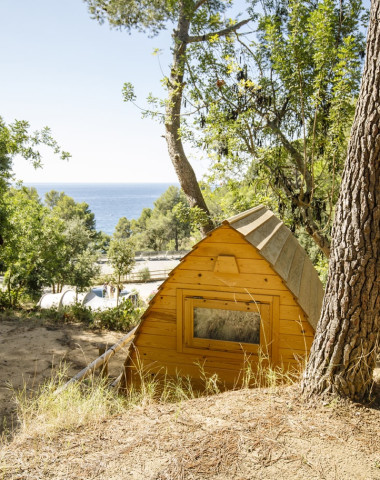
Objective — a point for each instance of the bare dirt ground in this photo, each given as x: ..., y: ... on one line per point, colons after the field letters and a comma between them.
x: 29, y: 351
x: 242, y: 435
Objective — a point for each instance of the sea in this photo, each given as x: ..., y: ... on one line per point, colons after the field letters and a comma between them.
x: 109, y: 201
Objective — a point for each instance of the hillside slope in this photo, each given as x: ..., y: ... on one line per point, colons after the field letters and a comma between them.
x: 241, y: 435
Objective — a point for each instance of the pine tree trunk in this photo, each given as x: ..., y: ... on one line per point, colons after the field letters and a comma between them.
x: 182, y: 166
x: 343, y: 354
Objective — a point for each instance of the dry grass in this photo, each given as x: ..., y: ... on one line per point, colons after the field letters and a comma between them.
x: 166, y: 430
x: 241, y: 435
x: 44, y: 413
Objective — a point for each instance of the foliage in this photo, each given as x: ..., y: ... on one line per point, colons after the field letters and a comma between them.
x: 67, y: 209
x: 277, y: 105
x: 27, y: 243
x: 52, y: 198
x: 144, y: 274
x: 102, y: 241
x: 273, y: 105
x: 27, y: 235
x: 122, y: 229
x: 4, y: 300
x: 195, y: 22
x: 80, y: 244
x: 121, y: 255
x: 121, y: 318
x: 40, y: 249
x: 191, y: 216
x: 80, y: 253
x: 16, y: 139
x: 163, y: 227
x: 78, y: 313
x: 140, y: 15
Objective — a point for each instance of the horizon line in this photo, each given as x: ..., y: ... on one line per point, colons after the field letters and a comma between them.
x: 98, y: 183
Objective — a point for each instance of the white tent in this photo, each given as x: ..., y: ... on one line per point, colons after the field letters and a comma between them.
x: 90, y: 299
x: 68, y: 298
x: 97, y: 303
x: 50, y: 300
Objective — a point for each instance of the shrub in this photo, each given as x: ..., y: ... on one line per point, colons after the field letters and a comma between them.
x: 144, y: 274
x: 4, y: 300
x: 78, y: 313
x: 121, y: 318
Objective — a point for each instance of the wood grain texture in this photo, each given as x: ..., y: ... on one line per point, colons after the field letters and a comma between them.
x: 286, y: 298
x: 223, y: 266
x: 276, y: 244
x: 209, y: 279
x: 226, y: 264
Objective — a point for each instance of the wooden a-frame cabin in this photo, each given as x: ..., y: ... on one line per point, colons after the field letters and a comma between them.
x: 247, y: 286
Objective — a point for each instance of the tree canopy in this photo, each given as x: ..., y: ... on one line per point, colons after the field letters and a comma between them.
x: 164, y: 227
x: 272, y: 105
x: 16, y: 139
x: 123, y: 228
x: 42, y: 248
x: 277, y: 106
x: 194, y: 22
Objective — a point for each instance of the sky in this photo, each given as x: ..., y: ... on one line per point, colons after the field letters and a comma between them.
x: 60, y: 68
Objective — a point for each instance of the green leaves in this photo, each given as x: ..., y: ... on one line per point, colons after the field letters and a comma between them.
x: 46, y: 246
x: 193, y: 216
x: 15, y: 139
x: 123, y: 229
x: 164, y: 227
x: 121, y: 255
x: 278, y: 105
x: 142, y: 15
x: 128, y: 92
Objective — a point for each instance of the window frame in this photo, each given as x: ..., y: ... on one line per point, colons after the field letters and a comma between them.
x: 187, y: 300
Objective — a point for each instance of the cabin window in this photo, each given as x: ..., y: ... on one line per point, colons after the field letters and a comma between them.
x: 228, y: 324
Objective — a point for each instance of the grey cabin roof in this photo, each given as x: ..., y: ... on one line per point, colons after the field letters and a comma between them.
x: 276, y: 243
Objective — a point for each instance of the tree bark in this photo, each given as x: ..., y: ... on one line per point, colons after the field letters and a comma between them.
x: 182, y: 166
x: 343, y: 354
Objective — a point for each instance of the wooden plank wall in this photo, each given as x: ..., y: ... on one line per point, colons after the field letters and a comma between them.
x: 156, y: 345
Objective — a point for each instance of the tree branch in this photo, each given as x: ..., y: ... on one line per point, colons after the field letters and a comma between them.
x: 295, y: 154
x: 311, y: 227
x: 199, y: 4
x: 220, y: 33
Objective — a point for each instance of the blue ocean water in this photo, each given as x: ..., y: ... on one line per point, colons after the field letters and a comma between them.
x: 109, y: 201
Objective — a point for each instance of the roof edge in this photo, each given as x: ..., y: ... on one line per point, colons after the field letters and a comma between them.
x: 242, y: 215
